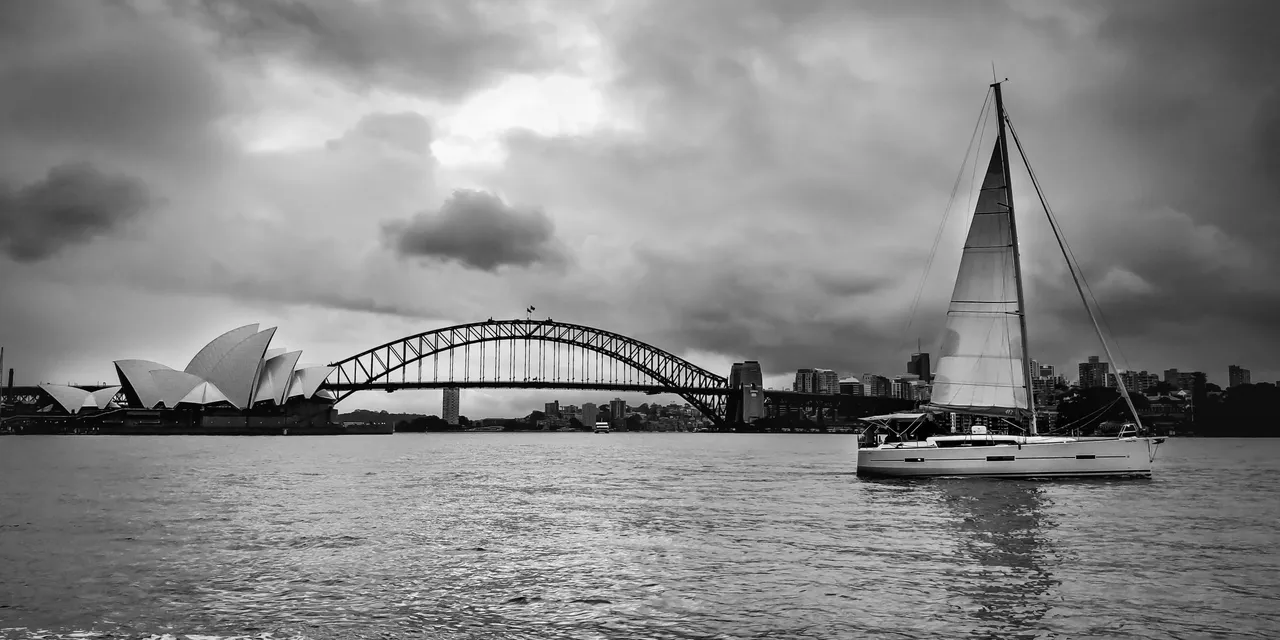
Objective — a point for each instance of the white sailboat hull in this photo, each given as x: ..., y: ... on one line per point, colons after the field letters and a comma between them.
x: 1070, y: 458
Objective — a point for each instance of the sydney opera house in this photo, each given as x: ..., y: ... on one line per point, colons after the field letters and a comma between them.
x: 236, y: 383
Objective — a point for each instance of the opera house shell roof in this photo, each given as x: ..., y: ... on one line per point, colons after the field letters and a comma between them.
x: 237, y: 368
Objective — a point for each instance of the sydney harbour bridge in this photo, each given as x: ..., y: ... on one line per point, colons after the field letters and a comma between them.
x: 544, y: 354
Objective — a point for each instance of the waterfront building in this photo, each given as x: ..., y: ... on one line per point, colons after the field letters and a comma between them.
x: 552, y: 409
x: 1237, y: 375
x: 806, y: 381
x: 618, y: 413
x: 588, y: 414
x: 1094, y: 373
x: 237, y: 369
x: 452, y: 405
x: 1134, y: 381
x: 851, y: 387
x: 826, y: 381
x: 875, y: 386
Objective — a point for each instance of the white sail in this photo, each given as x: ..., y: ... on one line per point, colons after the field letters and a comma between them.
x: 981, y: 367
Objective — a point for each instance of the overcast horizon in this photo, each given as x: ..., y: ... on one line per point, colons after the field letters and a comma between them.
x: 722, y: 180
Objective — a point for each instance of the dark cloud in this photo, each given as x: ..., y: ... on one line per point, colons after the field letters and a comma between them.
x: 443, y: 49
x: 745, y: 305
x: 477, y: 230
x: 72, y: 205
x: 756, y: 129
x: 101, y: 77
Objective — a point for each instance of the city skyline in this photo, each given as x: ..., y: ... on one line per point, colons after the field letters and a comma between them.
x: 356, y: 176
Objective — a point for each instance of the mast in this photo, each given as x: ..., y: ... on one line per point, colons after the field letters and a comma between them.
x: 1017, y: 259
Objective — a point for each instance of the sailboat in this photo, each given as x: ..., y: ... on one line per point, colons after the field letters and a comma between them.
x: 984, y: 372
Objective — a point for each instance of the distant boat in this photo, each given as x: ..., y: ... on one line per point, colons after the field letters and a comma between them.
x: 602, y: 427
x: 984, y: 369
x: 496, y: 427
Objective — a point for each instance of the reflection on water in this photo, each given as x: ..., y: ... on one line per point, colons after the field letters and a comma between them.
x: 1001, y: 526
x: 677, y: 536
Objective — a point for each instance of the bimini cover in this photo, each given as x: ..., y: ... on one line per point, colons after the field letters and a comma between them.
x: 139, y: 386
x: 895, y: 416
x: 102, y: 397
x: 71, y: 399
x: 174, y: 385
x: 205, y: 393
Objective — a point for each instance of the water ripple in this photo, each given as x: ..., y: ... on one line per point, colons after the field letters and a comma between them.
x: 666, y: 536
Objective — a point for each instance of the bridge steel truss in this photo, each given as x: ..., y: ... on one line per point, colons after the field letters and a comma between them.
x: 580, y: 357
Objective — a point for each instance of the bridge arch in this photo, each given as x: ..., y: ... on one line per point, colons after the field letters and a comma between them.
x: 704, y: 390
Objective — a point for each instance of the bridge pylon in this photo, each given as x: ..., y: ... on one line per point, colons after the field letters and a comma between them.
x: 745, y: 403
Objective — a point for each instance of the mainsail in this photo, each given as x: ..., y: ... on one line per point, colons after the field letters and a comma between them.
x: 981, y: 369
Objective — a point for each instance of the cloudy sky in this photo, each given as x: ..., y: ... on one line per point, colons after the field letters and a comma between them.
x: 723, y: 179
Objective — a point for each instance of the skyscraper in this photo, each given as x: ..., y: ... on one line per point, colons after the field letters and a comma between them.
x: 588, y: 414
x: 1237, y: 375
x: 451, y: 403
x: 919, y: 365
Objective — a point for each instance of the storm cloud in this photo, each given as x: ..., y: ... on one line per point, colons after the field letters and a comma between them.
x: 478, y: 230
x: 443, y: 49
x: 723, y: 179
x: 72, y: 205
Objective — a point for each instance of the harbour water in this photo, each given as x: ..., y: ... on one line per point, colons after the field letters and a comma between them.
x: 497, y: 535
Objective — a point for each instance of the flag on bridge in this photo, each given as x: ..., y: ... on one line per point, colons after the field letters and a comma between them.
x: 531, y: 309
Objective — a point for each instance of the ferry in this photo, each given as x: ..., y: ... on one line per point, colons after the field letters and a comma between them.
x: 602, y: 427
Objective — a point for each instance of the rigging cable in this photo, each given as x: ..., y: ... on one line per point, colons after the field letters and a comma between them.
x: 1053, y: 219
x: 937, y: 239
x: 1073, y: 268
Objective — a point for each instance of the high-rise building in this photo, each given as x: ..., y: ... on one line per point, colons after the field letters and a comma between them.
x: 1044, y: 370
x: 1171, y: 377
x: 588, y: 414
x: 806, y: 381
x: 618, y: 413
x: 816, y: 381
x: 919, y: 365
x: 875, y: 386
x: 1237, y: 375
x: 826, y: 381
x: 552, y: 409
x: 1134, y: 381
x: 451, y: 405
x: 1094, y: 373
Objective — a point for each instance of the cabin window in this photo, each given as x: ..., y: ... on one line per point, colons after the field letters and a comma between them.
x: 999, y: 458
x: 1085, y: 456
x: 913, y: 459
x: 972, y: 442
